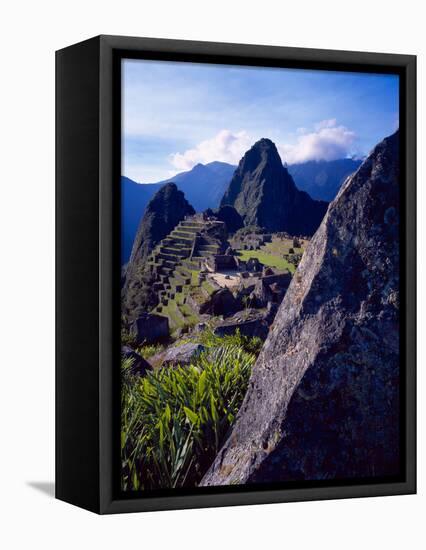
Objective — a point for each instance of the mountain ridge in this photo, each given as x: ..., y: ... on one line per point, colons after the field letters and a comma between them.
x: 163, y: 213
x: 265, y: 195
x: 322, y: 179
x: 135, y: 196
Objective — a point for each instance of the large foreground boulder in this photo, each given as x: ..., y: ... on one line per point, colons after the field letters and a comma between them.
x: 323, y: 398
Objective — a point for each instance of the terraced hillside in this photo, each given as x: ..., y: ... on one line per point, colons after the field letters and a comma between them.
x: 175, y: 266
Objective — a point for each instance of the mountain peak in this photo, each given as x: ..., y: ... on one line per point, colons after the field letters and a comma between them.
x: 265, y: 144
x: 163, y: 212
x: 263, y: 151
x: 264, y: 194
x: 167, y: 189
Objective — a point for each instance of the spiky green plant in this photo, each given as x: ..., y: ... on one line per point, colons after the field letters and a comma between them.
x: 211, y: 340
x: 174, y: 420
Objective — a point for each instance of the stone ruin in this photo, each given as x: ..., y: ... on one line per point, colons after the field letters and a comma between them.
x: 181, y: 252
x: 221, y: 262
x: 252, y: 241
x: 149, y: 328
x: 185, y: 267
x: 250, y: 303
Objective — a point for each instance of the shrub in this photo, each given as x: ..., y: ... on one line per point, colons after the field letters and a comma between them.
x: 250, y: 345
x: 174, y: 421
x: 148, y: 350
x: 127, y: 339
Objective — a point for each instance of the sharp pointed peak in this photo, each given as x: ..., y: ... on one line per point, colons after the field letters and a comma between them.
x: 264, y: 142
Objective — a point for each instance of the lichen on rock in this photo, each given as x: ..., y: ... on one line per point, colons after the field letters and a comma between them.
x: 323, y: 398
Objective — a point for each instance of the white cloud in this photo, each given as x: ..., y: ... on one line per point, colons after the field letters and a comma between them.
x: 224, y: 146
x: 328, y: 123
x: 327, y: 142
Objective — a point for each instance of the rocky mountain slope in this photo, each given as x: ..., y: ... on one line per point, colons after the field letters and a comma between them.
x: 134, y: 199
x: 203, y: 186
x: 264, y: 194
x: 163, y: 213
x: 323, y: 398
x: 229, y: 216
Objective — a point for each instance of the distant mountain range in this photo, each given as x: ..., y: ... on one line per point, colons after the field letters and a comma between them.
x: 322, y: 179
x: 205, y: 184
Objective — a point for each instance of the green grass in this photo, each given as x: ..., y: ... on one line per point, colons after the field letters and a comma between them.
x: 267, y: 259
x: 208, y: 287
x: 194, y: 276
x: 280, y: 247
x: 211, y: 340
x: 149, y: 350
x: 179, y: 297
x: 174, y: 421
x: 197, y: 295
x: 171, y: 312
x: 190, y: 317
x: 271, y: 254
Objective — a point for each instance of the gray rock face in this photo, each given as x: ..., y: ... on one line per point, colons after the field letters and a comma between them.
x: 323, y: 399
x: 181, y: 355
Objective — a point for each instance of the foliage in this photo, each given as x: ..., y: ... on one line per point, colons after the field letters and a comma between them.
x: 174, y: 420
x: 138, y: 295
x: 127, y: 338
x: 211, y: 340
x: 148, y: 350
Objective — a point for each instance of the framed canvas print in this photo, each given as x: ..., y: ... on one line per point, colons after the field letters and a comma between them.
x: 235, y: 274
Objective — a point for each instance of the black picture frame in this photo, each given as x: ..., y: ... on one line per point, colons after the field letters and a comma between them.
x: 88, y: 269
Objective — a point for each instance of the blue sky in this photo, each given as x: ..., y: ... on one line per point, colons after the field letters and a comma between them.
x: 178, y: 114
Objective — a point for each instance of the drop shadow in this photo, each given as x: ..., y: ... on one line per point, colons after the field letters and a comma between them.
x: 46, y: 487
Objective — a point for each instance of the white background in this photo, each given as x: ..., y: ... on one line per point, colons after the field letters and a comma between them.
x: 30, y: 33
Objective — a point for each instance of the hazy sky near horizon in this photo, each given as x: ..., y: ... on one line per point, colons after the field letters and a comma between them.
x: 175, y: 114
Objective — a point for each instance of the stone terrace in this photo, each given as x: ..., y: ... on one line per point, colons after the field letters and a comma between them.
x: 175, y: 264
